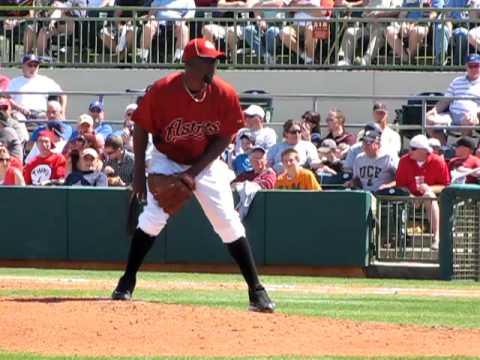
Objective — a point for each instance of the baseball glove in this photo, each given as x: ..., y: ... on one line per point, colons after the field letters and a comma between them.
x: 171, y: 191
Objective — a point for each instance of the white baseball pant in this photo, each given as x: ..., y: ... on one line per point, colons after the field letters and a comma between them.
x: 212, y: 192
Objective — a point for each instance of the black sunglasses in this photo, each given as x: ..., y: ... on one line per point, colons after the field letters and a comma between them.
x: 295, y: 131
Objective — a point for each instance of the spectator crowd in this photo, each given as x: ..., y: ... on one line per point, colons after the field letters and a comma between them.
x: 364, y: 35
x: 37, y: 146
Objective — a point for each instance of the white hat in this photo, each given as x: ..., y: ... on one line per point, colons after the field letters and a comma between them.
x: 434, y: 143
x: 131, y: 107
x: 85, y: 119
x: 255, y: 110
x: 90, y: 151
x: 420, y: 142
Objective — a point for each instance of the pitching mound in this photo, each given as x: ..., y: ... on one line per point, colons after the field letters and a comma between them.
x: 103, y: 327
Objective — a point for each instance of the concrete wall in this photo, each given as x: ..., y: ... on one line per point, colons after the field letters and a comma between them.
x: 274, y: 81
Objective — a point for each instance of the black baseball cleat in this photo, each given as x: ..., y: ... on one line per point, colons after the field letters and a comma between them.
x: 124, y: 289
x: 259, y: 301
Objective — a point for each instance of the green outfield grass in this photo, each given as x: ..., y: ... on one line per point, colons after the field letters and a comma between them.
x: 423, y: 310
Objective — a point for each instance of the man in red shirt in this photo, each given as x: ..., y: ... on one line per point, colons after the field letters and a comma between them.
x: 261, y: 174
x: 46, y: 166
x: 192, y: 116
x: 464, y: 161
x: 424, y: 174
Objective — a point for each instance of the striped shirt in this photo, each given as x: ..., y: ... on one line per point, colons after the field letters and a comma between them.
x: 462, y: 86
x: 123, y: 167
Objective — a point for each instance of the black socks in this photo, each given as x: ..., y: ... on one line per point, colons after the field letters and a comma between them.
x: 241, y: 252
x: 141, y: 244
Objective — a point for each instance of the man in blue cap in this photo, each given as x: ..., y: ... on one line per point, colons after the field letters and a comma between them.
x: 97, y: 112
x: 31, y: 81
x: 458, y: 112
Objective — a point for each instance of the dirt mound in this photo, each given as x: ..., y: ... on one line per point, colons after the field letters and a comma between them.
x: 98, y: 327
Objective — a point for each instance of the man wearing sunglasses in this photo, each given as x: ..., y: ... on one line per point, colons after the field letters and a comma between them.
x: 458, y: 112
x: 97, y: 111
x: 31, y: 81
x: 424, y: 174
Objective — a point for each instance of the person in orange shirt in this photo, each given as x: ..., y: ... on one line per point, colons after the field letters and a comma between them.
x: 295, y: 177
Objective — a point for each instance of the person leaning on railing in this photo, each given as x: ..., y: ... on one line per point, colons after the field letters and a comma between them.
x: 162, y: 20
x: 229, y: 31
x: 118, y: 37
x: 294, y: 176
x: 424, y: 174
x: 445, y: 29
x: 261, y: 36
x: 16, y: 28
x: 373, y: 31
x: 303, y: 28
x: 415, y: 32
x: 462, y: 111
x: 61, y: 22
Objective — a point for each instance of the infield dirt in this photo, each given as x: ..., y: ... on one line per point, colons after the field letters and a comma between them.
x: 67, y: 326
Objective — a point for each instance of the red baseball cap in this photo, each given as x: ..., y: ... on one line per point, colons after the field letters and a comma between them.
x: 202, y: 48
x: 48, y: 134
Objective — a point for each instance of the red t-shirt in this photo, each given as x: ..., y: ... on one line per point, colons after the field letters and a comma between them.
x: 41, y: 169
x: 470, y: 162
x: 16, y: 162
x: 266, y: 179
x: 434, y: 170
x: 9, y: 178
x: 182, y: 128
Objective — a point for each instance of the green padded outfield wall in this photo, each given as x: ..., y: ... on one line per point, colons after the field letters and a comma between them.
x: 33, y: 223
x: 297, y: 228
x: 317, y: 228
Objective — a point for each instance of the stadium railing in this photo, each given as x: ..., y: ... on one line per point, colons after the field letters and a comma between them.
x: 82, y: 47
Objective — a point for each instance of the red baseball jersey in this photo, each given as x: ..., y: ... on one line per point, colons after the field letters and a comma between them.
x: 183, y: 128
x: 471, y: 162
x: 434, y: 170
x: 41, y: 169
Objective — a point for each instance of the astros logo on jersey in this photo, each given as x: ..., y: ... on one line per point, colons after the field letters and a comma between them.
x: 180, y: 129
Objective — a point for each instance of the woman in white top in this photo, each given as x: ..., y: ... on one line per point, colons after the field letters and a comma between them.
x: 292, y: 134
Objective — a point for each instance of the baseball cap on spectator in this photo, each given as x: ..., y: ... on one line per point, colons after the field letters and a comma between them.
x: 378, y: 106
x: 31, y: 58
x: 96, y: 105
x: 258, y: 148
x: 467, y: 142
x: 249, y: 136
x: 434, y: 143
x: 372, y: 135
x: 254, y: 110
x: 202, y: 48
x: 420, y: 142
x: 4, y: 104
x: 472, y: 58
x: 89, y: 152
x: 327, y: 145
x: 85, y: 119
x: 316, y: 139
x: 48, y: 134
x: 56, y: 127
x: 368, y: 127
x: 131, y: 107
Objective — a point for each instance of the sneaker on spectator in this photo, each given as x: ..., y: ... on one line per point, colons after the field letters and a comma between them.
x: 306, y: 59
x: 360, y: 61
x: 269, y: 59
x: 178, y: 55
x: 343, y: 62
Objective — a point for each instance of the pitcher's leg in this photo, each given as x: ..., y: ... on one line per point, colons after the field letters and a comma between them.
x: 150, y: 222
x: 215, y: 197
